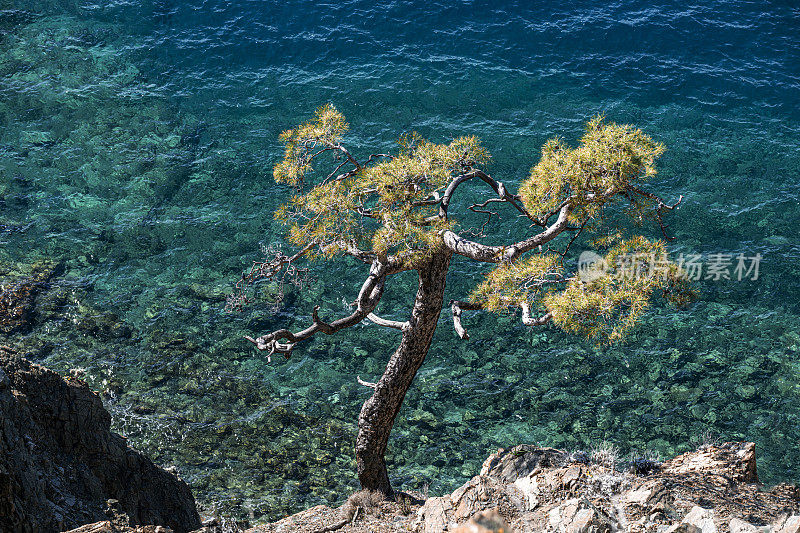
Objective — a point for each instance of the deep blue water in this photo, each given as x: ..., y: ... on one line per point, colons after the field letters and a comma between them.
x: 137, y: 144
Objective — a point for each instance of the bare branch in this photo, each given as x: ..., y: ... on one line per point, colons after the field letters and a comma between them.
x: 375, y: 156
x: 402, y: 326
x: 451, y: 188
x: 497, y: 186
x: 276, y: 266
x: 661, y: 203
x: 496, y: 254
x: 347, y: 154
x: 368, y: 298
x: 365, y: 383
x: 577, y: 234
x: 353, y: 172
x: 529, y: 321
x: 457, y: 307
x: 660, y: 206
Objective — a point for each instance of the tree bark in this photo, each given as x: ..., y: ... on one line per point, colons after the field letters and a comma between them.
x: 380, y: 410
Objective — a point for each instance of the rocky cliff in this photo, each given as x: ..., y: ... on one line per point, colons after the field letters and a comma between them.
x: 61, y: 466
x: 527, y: 489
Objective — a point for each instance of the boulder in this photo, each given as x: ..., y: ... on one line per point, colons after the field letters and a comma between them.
x: 787, y: 524
x: 734, y: 460
x: 737, y: 525
x: 702, y: 519
x: 579, y: 515
x: 484, y: 522
x: 520, y: 461
x: 61, y: 466
x: 481, y: 493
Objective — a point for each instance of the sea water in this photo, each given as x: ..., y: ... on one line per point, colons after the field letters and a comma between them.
x: 136, y: 149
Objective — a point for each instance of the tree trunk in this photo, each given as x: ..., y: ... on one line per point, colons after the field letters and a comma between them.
x: 379, y: 411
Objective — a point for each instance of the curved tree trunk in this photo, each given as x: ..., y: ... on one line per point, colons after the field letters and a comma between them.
x: 379, y: 411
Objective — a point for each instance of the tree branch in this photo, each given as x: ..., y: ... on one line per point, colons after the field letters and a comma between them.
x: 660, y: 206
x: 368, y: 298
x: 353, y: 251
x: 457, y: 307
x: 497, y: 186
x: 365, y: 383
x: 402, y: 326
x: 497, y: 254
x: 529, y: 321
x: 347, y: 154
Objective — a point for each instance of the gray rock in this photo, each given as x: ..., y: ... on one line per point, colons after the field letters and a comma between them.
x: 702, y: 519
x: 683, y: 528
x: 519, y: 461
x: 737, y: 525
x: 60, y: 464
x: 578, y: 515
x: 789, y: 524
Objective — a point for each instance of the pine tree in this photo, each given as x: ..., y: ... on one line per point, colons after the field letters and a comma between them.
x: 391, y: 212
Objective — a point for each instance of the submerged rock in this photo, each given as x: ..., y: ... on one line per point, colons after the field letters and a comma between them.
x: 60, y: 464
x: 17, y: 298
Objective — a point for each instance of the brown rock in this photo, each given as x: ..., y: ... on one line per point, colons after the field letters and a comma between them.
x: 734, y: 460
x: 578, y: 515
x: 433, y: 516
x: 475, y: 496
x: 485, y: 522
x: 519, y: 461
x: 571, y: 477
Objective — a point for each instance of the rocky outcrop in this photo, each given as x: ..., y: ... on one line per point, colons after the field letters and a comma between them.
x: 714, y: 489
x: 62, y: 467
x: 528, y: 489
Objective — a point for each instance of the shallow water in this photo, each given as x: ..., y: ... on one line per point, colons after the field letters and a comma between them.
x: 137, y: 144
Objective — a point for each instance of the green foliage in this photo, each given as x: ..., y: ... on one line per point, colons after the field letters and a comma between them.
x: 514, y: 283
x: 325, y: 131
x: 390, y: 206
x: 385, y: 207
x: 609, y: 159
x: 606, y: 302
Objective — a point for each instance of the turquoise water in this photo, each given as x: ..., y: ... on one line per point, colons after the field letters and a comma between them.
x: 137, y: 144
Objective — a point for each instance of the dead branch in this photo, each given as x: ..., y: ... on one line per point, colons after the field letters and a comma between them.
x: 457, y: 307
x: 402, y: 326
x: 365, y: 383
x: 368, y: 298
x: 529, y: 321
